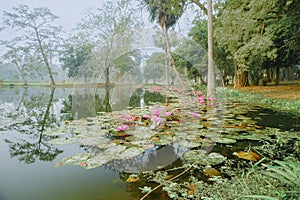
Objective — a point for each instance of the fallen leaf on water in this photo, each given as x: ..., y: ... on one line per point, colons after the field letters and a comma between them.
x: 169, y: 176
x: 211, y: 172
x: 192, y: 189
x: 83, y: 164
x: 58, y: 164
x: 132, y: 179
x: 248, y: 155
x: 155, y: 138
x: 117, y: 142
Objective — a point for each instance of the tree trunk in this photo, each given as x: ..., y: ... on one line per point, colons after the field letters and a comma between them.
x: 277, y: 76
x: 46, y: 115
x: 200, y: 80
x: 20, y: 68
x: 241, y: 80
x: 45, y: 57
x: 225, y: 80
x: 165, y: 33
x: 107, y: 76
x: 169, y: 59
x: 211, y: 82
x: 269, y: 75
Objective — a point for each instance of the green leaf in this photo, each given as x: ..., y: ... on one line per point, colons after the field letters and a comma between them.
x: 76, y: 159
x: 261, y: 197
x: 63, y: 141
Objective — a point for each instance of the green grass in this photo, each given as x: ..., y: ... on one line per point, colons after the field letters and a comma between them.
x: 258, y: 99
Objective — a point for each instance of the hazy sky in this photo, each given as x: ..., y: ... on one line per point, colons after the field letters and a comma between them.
x: 68, y: 11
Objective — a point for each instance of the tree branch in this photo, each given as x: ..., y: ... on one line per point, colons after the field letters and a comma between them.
x: 187, y: 169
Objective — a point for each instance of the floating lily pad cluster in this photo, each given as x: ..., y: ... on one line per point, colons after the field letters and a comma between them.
x: 190, y: 121
x: 202, y: 158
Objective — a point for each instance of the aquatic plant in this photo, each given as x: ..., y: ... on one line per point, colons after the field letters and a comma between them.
x: 122, y: 128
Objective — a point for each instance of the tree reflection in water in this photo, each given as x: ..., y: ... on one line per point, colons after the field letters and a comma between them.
x: 151, y: 160
x: 35, y: 117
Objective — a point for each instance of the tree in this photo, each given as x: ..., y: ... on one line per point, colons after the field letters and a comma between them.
x: 199, y: 34
x: 153, y: 69
x: 110, y: 34
x: 16, y: 55
x: 210, y: 50
x: 166, y: 14
x: 38, y: 33
x: 282, y: 25
x: 75, y: 52
x: 211, y: 82
x: 191, y: 60
x: 259, y: 34
x: 129, y: 63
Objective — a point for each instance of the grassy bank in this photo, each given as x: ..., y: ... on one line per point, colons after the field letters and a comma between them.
x: 277, y: 100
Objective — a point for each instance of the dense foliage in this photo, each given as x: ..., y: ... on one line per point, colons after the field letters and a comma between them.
x: 259, y: 35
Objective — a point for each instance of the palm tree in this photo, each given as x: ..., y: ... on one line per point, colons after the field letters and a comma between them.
x: 166, y: 14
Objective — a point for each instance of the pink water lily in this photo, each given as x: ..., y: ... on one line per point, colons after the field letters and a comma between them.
x: 129, y: 117
x: 156, y: 89
x: 156, y: 112
x: 176, y: 110
x: 155, y: 119
x: 146, y: 116
x: 122, y: 128
x: 194, y: 114
x: 198, y: 92
x: 168, y: 114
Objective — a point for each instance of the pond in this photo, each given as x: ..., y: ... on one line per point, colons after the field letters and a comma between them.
x: 33, y: 156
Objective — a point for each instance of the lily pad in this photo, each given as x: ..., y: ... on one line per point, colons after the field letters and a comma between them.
x: 114, y: 151
x: 131, y: 152
x: 161, y: 142
x: 76, y: 159
x: 97, y: 161
x: 63, y: 141
x: 91, y: 141
x: 255, y: 137
x: 55, y: 132
x: 189, y: 144
x: 142, y: 133
x: 200, y: 157
x: 223, y: 140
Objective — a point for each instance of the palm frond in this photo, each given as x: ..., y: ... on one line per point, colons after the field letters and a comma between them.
x: 261, y: 197
x: 286, y: 172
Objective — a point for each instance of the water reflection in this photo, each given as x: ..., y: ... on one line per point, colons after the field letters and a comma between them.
x: 27, y: 112
x: 30, y: 117
x: 27, y: 157
x: 151, y: 160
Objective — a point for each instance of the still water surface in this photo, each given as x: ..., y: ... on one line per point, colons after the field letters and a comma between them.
x: 27, y: 161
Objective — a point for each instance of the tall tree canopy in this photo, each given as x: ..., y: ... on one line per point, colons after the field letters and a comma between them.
x: 166, y: 14
x: 258, y: 33
x: 37, y: 29
x: 111, y: 30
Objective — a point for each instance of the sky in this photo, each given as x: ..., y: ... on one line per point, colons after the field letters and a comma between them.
x: 68, y: 11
